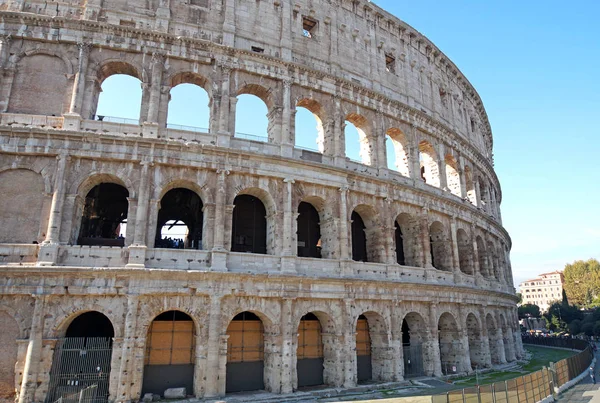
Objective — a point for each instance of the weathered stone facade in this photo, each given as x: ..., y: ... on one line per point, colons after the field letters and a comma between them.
x: 453, y: 292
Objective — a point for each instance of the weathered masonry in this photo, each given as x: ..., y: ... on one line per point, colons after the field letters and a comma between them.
x: 298, y: 267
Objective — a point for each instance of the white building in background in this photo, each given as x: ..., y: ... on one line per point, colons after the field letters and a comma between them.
x: 543, y: 290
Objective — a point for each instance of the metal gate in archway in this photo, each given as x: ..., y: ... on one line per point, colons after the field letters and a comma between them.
x: 413, y: 360
x: 80, y: 364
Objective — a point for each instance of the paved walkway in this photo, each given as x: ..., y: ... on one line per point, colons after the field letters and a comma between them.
x: 585, y: 391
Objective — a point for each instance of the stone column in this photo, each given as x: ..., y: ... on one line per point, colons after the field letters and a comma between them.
x: 288, y: 250
x: 425, y: 239
x: 288, y: 355
x: 509, y: 342
x: 455, y: 255
x: 485, y: 339
x: 286, y: 31
x: 339, y: 137
x: 476, y: 189
x: 125, y: 375
x: 442, y: 166
x: 287, y: 136
x: 344, y: 236
x: 476, y: 268
x: 219, y: 252
x: 229, y: 24
x: 433, y: 344
x: 48, y: 254
x: 380, y: 150
x: 389, y: 232
x: 347, y: 350
x: 79, y: 84
x: 465, y: 359
x: 463, y: 177
x: 214, y: 342
x: 4, y: 49
x: 137, y: 251
x: 34, y: 350
x: 150, y: 126
x: 397, y: 349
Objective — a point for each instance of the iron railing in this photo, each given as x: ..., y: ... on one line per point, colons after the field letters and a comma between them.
x: 528, y: 388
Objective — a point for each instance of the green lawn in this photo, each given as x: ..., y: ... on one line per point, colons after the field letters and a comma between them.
x: 540, y: 357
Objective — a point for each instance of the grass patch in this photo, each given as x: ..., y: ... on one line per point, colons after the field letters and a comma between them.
x: 540, y: 357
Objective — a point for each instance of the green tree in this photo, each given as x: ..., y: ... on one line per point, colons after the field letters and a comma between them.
x: 588, y: 329
x: 560, y: 315
x: 575, y: 327
x: 597, y: 329
x: 582, y: 282
x: 529, y: 311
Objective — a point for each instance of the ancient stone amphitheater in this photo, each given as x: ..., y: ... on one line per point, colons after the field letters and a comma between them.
x: 299, y: 267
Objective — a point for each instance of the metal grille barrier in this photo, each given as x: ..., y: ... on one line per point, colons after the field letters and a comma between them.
x: 530, y: 388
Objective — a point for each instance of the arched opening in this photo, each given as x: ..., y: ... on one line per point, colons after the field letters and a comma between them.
x: 441, y: 248
x: 476, y: 348
x: 309, y: 231
x: 465, y: 252
x: 495, y: 340
x: 189, y: 104
x: 428, y: 162
x: 245, y: 354
x: 482, y: 257
x: 359, y: 238
x: 22, y: 199
x: 104, y: 217
x: 397, y: 151
x: 249, y: 226
x: 251, y: 118
x: 414, y: 335
x: 507, y: 340
x: 451, y: 349
x: 363, y: 350
x: 484, y: 196
x: 310, y: 355
x: 408, y: 229
x: 494, y: 270
x: 309, y: 131
x: 82, y: 359
x: 358, y: 147
x: 180, y: 220
x: 170, y: 353
x: 9, y: 348
x: 120, y: 97
x: 452, y: 175
x: 470, y: 185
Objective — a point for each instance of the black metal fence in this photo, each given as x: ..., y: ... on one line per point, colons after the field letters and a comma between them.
x: 532, y: 387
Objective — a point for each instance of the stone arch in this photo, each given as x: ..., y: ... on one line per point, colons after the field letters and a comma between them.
x: 271, y: 213
x: 372, y: 346
x: 189, y: 88
x: 188, y: 77
x: 470, y: 184
x: 61, y: 323
x: 318, y: 366
x: 374, y: 244
x: 495, y: 340
x: 308, y: 234
x: 482, y: 257
x: 401, y: 150
x: 465, y: 252
x: 319, y: 114
x: 22, y: 196
x: 259, y: 91
x: 477, y: 351
x: 41, y: 83
x: 441, y: 247
x: 452, y: 175
x: 451, y: 349
x: 87, y: 181
x: 111, y: 67
x: 174, y: 182
x: 327, y: 224
x: 8, y: 355
x: 367, y: 147
x: 428, y: 161
x: 418, y: 359
x: 181, y: 204
x: 407, y: 231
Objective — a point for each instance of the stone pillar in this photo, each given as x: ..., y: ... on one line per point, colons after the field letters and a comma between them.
x: 389, y: 232
x: 286, y: 31
x: 48, y: 254
x: 214, y: 343
x: 413, y: 159
x: 465, y: 359
x: 150, y: 126
x: 80, y: 78
x: 344, y: 236
x: 4, y: 50
x: 433, y: 344
x: 225, y: 95
x: 125, y: 374
x: 92, y: 10
x: 34, y: 350
x: 339, y: 137
x: 485, y: 340
x: 347, y: 349
x: 477, y: 189
x: 463, y: 177
x: 288, y: 355
x: 425, y: 240
x: 380, y: 149
x: 288, y: 250
x: 137, y: 251
x: 509, y: 342
x: 476, y: 268
x: 229, y: 24
x: 287, y: 136
x: 442, y: 167
x: 163, y: 16
x: 219, y: 252
x: 455, y: 255
x: 396, y: 347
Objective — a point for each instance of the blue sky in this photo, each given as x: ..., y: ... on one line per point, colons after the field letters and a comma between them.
x: 535, y: 65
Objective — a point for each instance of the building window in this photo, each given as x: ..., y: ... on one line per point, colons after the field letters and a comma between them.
x: 309, y: 27
x: 390, y: 63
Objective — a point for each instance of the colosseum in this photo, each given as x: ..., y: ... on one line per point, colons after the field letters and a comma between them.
x: 298, y: 267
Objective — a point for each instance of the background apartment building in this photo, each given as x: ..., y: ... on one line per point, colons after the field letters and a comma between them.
x: 543, y: 290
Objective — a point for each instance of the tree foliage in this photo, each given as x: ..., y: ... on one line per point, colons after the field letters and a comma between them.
x: 529, y: 311
x: 559, y: 315
x: 582, y: 282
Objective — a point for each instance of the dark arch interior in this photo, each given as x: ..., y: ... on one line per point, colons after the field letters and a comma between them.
x: 245, y: 354
x: 359, y: 238
x: 364, y: 366
x: 173, y: 316
x: 249, y: 229
x: 104, y: 212
x: 310, y: 362
x: 91, y: 324
x: 399, y: 245
x: 184, y: 207
x: 309, y: 231
x: 405, y: 333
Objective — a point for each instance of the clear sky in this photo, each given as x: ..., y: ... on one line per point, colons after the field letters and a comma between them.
x: 536, y: 67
